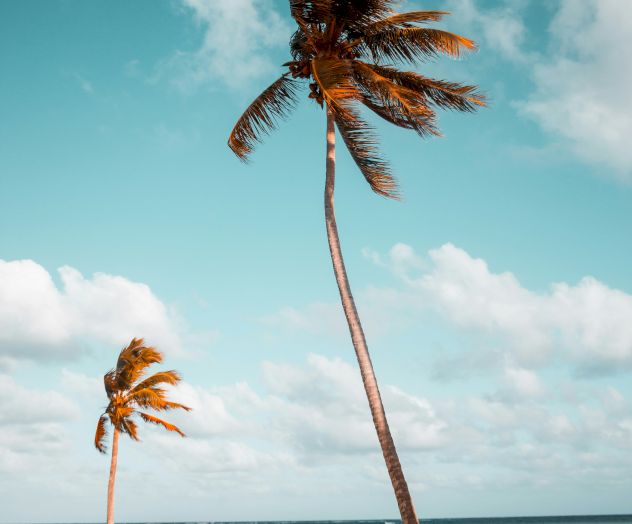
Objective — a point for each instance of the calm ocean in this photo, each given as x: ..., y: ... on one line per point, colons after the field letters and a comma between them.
x: 576, y: 519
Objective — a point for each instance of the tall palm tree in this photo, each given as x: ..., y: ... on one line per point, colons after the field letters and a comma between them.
x: 128, y: 390
x: 344, y: 50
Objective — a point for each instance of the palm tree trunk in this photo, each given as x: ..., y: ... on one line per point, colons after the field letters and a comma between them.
x: 404, y: 500
x: 110, y: 519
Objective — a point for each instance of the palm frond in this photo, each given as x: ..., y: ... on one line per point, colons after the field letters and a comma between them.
x: 362, y: 144
x: 132, y: 362
x: 300, y: 46
x: 101, y: 434
x: 109, y: 382
x: 351, y: 13
x: 261, y: 116
x: 311, y: 11
x: 158, y: 421
x: 128, y: 426
x: 447, y: 95
x: 409, y: 44
x: 154, y: 398
x: 395, y: 103
x: 399, y: 20
x: 162, y: 377
x: 335, y: 80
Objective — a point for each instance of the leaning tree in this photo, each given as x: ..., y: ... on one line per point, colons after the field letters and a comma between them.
x: 344, y: 50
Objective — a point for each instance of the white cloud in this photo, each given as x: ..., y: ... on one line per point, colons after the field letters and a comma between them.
x: 38, y: 320
x: 583, y: 83
x: 501, y: 28
x: 309, y: 429
x: 210, y: 416
x: 238, y: 36
x: 32, y: 425
x: 314, y: 416
x: 523, y: 381
x: 322, y: 409
x: 589, y: 322
x: 586, y: 325
x: 19, y: 405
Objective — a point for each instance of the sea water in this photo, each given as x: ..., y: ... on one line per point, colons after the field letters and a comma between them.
x: 573, y: 519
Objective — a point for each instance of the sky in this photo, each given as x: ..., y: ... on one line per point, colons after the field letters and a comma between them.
x: 496, y: 297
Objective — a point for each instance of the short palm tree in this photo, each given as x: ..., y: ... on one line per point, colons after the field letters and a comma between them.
x: 128, y: 390
x: 344, y: 50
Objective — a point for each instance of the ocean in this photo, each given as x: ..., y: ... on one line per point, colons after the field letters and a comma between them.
x: 572, y: 519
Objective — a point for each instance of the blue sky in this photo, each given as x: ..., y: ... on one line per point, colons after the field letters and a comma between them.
x: 496, y: 297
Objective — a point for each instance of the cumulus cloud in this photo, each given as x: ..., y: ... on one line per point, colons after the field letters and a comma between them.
x: 310, y: 421
x: 582, y: 85
x: 32, y: 425
x: 39, y: 320
x: 20, y: 405
x: 588, y: 321
x: 238, y: 34
x: 586, y: 324
x: 313, y: 416
x: 501, y: 27
x: 580, y: 82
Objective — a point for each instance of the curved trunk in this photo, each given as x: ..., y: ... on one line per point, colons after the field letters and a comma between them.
x: 110, y: 519
x: 404, y: 500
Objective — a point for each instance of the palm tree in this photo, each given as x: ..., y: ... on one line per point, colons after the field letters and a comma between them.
x: 343, y: 49
x: 128, y: 389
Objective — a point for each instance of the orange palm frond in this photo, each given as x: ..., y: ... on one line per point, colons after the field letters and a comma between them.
x: 109, y: 382
x: 101, y: 434
x: 148, y: 398
x: 155, y: 420
x: 261, y: 116
x: 162, y: 377
x: 126, y: 394
x: 447, y: 95
x: 405, y: 19
x: 362, y: 144
x: 335, y: 80
x: 132, y: 362
x: 396, y: 103
x: 409, y: 44
x: 332, y: 37
x: 129, y: 426
x: 176, y: 405
x: 154, y: 398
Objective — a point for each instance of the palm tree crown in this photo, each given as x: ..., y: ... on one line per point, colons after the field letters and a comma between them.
x: 344, y: 49
x: 128, y: 391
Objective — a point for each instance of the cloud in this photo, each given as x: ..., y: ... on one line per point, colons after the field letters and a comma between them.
x: 313, y: 420
x: 585, y: 326
x: 588, y: 322
x: 321, y: 409
x: 32, y: 425
x: 309, y: 429
x: 582, y: 83
x: 502, y: 28
x: 38, y: 320
x: 238, y: 35
x: 19, y: 405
